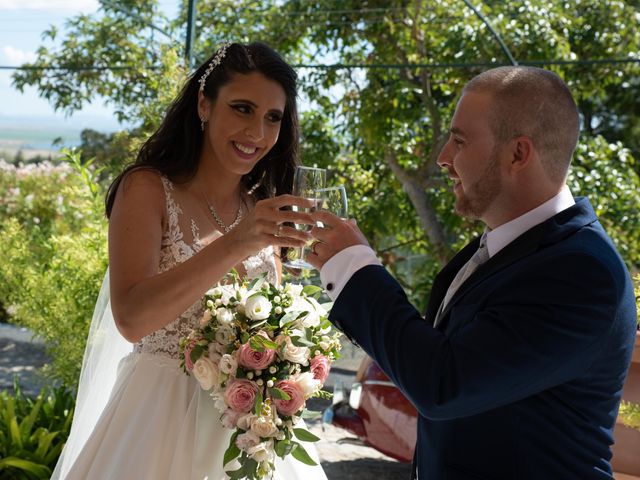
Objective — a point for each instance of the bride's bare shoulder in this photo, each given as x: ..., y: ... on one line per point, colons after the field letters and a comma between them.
x: 141, y: 188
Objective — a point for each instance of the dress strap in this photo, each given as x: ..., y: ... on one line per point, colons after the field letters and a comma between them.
x: 173, y: 211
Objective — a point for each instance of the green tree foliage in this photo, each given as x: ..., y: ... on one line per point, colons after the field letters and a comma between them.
x: 380, y: 128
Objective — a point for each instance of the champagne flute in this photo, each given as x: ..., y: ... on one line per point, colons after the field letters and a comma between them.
x: 306, y: 181
x: 334, y: 200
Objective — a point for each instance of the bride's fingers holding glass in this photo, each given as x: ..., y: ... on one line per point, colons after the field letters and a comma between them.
x: 265, y: 225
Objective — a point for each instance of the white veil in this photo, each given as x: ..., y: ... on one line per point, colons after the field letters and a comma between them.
x: 105, y: 348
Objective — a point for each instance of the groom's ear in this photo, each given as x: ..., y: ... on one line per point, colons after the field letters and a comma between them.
x: 521, y: 151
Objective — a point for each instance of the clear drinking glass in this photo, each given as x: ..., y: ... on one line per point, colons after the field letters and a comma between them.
x: 306, y: 182
x: 334, y: 200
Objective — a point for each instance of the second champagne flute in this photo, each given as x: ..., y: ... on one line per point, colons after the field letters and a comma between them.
x: 306, y: 181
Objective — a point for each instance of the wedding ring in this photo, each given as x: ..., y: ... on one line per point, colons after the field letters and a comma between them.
x: 278, y: 230
x: 313, y: 247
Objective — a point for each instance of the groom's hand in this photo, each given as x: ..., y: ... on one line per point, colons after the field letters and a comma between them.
x: 335, y: 235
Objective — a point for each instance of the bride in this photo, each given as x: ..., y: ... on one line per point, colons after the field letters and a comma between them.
x: 205, y: 195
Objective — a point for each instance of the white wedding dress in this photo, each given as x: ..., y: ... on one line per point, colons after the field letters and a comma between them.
x: 146, y: 419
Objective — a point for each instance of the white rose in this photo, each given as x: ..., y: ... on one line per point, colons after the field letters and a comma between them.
x: 309, y: 384
x: 263, y: 427
x: 257, y: 307
x: 224, y: 316
x: 313, y: 317
x: 218, y: 401
x: 228, y: 364
x: 293, y: 353
x: 214, y: 355
x: 293, y: 289
x: 309, y: 305
x: 206, y: 317
x: 247, y: 440
x: 324, y: 345
x: 225, y: 335
x: 244, y: 421
x: 205, y: 372
x: 229, y: 419
x: 262, y: 452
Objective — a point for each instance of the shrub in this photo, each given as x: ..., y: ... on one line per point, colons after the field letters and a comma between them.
x: 33, y: 431
x: 51, y: 268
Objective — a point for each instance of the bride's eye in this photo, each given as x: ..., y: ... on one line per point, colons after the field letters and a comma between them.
x: 274, y: 117
x: 241, y: 108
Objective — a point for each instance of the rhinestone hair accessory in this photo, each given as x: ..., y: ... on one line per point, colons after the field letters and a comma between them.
x: 215, y: 61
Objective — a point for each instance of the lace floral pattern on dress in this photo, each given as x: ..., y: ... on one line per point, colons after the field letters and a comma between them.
x: 175, y: 250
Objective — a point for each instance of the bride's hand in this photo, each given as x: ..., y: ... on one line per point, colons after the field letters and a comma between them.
x: 264, y: 225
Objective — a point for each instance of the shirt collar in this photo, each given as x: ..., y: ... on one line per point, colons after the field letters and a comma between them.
x: 506, y: 233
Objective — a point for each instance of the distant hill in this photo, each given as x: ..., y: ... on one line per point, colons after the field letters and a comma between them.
x: 33, y: 133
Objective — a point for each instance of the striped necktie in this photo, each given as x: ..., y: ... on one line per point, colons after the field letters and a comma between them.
x: 478, y: 258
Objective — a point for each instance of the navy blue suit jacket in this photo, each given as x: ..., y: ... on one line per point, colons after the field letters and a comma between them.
x: 523, y: 376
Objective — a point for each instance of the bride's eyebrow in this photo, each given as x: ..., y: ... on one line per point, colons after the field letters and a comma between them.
x: 242, y: 100
x: 254, y: 105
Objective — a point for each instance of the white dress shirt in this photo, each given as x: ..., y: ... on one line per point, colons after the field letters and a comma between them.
x: 337, y: 271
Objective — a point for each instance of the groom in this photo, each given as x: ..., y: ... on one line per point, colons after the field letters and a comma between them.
x: 517, y: 370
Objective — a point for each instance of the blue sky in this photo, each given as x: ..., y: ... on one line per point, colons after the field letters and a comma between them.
x: 21, y: 25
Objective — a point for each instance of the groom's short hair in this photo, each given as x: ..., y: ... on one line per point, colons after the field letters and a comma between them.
x: 536, y: 103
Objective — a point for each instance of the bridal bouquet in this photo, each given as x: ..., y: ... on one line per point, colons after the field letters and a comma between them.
x: 262, y: 350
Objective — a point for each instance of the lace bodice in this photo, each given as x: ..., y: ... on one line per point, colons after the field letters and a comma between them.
x: 175, y: 250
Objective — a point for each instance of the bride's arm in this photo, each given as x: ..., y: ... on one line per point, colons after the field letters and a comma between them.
x: 143, y: 300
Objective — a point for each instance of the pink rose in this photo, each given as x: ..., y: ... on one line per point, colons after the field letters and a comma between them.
x: 320, y: 366
x: 295, y: 403
x: 187, y: 355
x: 240, y: 395
x: 254, y: 360
x: 229, y: 418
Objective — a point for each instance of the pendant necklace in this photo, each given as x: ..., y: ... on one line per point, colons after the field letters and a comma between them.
x: 216, y: 217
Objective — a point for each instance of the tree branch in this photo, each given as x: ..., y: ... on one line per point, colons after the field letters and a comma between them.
x: 426, y: 213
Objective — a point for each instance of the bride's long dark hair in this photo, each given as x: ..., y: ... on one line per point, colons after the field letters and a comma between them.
x: 174, y: 149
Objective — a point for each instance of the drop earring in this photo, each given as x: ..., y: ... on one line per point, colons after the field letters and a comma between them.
x: 202, y: 122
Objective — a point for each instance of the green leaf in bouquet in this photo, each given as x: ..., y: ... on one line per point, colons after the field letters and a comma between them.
x: 300, y: 454
x: 247, y: 470
x: 302, y: 342
x: 289, y: 317
x: 257, y: 404
x: 196, y: 353
x: 233, y: 276
x: 305, y: 435
x: 259, y: 323
x: 257, y: 282
x: 256, y: 344
x: 232, y: 451
x: 267, y: 342
x: 209, y: 335
x: 312, y: 291
x: 311, y: 415
x: 278, y: 394
x: 244, y: 337
x: 283, y: 448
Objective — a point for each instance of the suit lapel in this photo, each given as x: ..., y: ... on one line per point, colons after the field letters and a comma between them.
x: 445, y: 277
x: 551, y: 231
